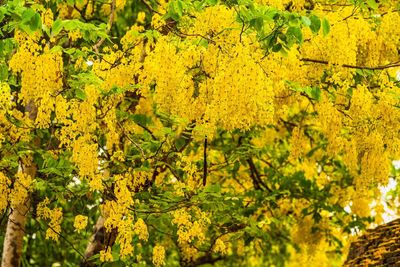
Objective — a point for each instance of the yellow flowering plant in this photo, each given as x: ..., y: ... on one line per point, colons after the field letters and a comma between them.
x: 185, y: 133
x: 80, y: 222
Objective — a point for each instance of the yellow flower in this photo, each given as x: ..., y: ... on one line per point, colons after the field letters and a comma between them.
x: 22, y: 187
x: 48, y: 18
x: 158, y: 255
x: 4, y: 184
x: 80, y: 222
x: 105, y: 255
x: 219, y: 247
x: 141, y: 17
x: 55, y: 217
x: 141, y: 229
x: 74, y: 35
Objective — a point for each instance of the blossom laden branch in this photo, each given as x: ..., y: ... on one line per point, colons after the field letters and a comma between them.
x: 380, y: 67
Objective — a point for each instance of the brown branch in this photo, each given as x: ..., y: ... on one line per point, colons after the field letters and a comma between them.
x: 110, y: 23
x: 255, y: 175
x: 132, y: 141
x: 254, y: 178
x: 97, y: 242
x: 352, y: 13
x: 206, y: 259
x: 381, y: 67
x: 181, y: 34
x: 150, y: 8
x: 147, y: 130
x: 205, y: 162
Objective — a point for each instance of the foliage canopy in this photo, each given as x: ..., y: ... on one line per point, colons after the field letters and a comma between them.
x: 237, y: 132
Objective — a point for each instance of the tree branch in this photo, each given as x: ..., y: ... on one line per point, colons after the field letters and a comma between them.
x: 205, y: 162
x: 255, y: 175
x: 150, y: 8
x: 381, y: 67
x: 110, y: 23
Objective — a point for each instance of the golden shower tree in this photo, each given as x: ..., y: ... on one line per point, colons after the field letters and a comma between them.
x: 181, y: 132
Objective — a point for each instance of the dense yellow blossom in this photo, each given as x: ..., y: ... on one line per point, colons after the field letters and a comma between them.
x: 85, y: 157
x: 124, y: 238
x: 158, y: 255
x: 21, y: 189
x: 53, y: 215
x: 106, y: 255
x: 237, y: 94
x: 48, y: 18
x: 181, y: 121
x: 219, y: 246
x: 41, y: 75
x: 190, y: 229
x: 140, y: 229
x: 5, y: 97
x: 4, y: 191
x: 80, y: 222
x: 299, y: 143
x: 141, y: 17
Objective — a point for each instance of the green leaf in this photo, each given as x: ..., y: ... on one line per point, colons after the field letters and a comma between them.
x: 296, y: 33
x: 80, y: 94
x: 325, y: 27
x: 313, y: 92
x: 257, y: 23
x: 6, y: 47
x: 71, y: 25
x: 13, y: 120
x: 56, y: 27
x: 35, y: 22
x: 277, y: 48
x: 179, y: 8
x: 294, y: 21
x: 27, y: 14
x: 56, y: 48
x: 372, y: 4
x: 141, y: 119
x: 3, y: 11
x: 306, y: 21
x: 82, y: 79
x: 212, y: 188
x: 203, y: 42
x: 175, y: 10
x: 315, y: 24
x: 180, y: 142
x: 3, y: 72
x: 40, y: 185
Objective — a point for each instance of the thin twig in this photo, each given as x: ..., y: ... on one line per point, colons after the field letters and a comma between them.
x: 147, y: 130
x: 381, y: 67
x: 150, y: 8
x: 63, y: 237
x: 255, y: 175
x: 183, y: 34
x: 352, y: 13
x: 205, y: 162
x: 132, y: 141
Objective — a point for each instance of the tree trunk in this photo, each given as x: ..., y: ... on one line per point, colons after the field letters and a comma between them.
x: 99, y: 241
x: 13, y: 242
x: 15, y: 231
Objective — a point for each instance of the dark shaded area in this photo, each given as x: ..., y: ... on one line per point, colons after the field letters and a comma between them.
x: 378, y: 247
